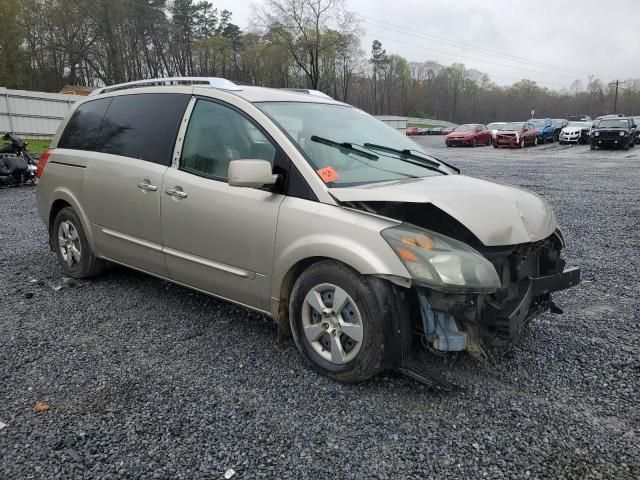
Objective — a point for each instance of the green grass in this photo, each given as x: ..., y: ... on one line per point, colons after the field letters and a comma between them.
x: 36, y: 146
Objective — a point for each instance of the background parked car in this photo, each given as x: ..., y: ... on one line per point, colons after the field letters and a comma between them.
x: 516, y: 135
x: 614, y: 131
x: 579, y: 118
x: 434, y: 131
x: 558, y: 124
x: 446, y: 130
x: 637, y: 122
x: 413, y: 131
x: 470, y: 134
x: 546, y: 130
x: 575, y: 132
x: 493, y: 127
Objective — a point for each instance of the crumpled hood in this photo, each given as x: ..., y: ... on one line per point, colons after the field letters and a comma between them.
x: 495, y: 213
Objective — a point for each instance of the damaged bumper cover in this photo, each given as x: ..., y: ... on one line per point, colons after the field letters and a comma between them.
x: 462, y: 322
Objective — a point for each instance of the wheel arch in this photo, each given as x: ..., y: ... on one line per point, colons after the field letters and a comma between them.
x: 283, y: 284
x: 63, y: 198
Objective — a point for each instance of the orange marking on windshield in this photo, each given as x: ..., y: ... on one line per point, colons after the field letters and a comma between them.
x: 328, y: 174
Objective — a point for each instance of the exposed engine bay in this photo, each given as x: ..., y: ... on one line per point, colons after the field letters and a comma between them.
x: 451, y: 321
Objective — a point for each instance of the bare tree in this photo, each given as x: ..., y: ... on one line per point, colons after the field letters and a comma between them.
x: 302, y: 26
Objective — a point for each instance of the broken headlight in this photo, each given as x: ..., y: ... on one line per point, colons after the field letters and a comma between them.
x: 440, y: 262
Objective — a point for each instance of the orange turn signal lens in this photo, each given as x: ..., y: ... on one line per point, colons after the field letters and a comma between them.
x: 406, y: 254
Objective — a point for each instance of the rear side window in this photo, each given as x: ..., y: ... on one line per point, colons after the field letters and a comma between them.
x: 143, y: 126
x: 82, y: 129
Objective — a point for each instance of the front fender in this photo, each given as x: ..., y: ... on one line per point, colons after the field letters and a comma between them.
x: 310, y: 230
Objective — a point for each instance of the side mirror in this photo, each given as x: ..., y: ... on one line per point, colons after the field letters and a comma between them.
x: 251, y: 173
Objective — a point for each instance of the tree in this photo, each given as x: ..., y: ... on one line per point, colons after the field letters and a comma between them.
x: 302, y: 25
x: 379, y: 63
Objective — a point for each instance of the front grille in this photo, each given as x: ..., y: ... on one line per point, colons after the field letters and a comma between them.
x: 609, y: 134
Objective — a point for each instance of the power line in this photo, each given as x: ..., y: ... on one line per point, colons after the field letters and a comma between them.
x: 482, y: 50
x: 513, y: 67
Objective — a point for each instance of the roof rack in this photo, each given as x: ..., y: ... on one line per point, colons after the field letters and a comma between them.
x: 315, y: 93
x: 213, y: 82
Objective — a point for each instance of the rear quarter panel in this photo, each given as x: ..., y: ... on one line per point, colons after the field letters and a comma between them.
x: 63, y: 179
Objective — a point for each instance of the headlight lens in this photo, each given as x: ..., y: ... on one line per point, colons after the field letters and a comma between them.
x: 596, y: 134
x: 441, y: 262
x: 622, y: 134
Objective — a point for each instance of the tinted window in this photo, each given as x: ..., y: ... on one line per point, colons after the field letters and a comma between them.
x: 82, y: 129
x: 143, y: 126
x: 218, y: 134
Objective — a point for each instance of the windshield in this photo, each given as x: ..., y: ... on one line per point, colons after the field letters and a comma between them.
x: 512, y: 126
x: 495, y: 125
x: 465, y: 128
x: 613, y: 123
x: 333, y: 137
x: 579, y: 124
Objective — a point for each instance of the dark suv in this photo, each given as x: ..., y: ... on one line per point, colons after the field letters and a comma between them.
x: 613, y: 132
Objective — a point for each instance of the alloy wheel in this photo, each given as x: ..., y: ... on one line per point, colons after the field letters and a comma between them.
x: 332, y: 323
x: 69, y: 243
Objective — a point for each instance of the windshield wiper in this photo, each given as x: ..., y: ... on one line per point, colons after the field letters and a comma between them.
x: 409, y: 154
x: 343, y: 145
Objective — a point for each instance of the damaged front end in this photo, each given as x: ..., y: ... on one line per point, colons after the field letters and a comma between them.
x: 466, y: 296
x: 474, y: 321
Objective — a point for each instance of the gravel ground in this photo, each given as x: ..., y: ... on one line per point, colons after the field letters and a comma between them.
x: 144, y: 379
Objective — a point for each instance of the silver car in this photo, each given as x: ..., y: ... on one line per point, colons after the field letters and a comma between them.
x: 362, y: 247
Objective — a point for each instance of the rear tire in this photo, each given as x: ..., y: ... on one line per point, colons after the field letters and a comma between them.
x: 331, y: 341
x: 72, y: 248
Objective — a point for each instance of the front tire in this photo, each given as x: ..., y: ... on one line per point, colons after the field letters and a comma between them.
x: 592, y: 146
x: 535, y: 141
x: 72, y: 248
x: 335, y: 322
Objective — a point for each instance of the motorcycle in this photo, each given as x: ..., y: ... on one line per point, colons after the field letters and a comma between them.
x: 17, y: 167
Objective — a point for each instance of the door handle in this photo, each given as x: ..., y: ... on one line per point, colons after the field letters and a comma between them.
x: 147, y: 186
x: 172, y: 192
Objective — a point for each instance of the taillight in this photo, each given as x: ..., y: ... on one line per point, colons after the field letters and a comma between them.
x: 42, y: 161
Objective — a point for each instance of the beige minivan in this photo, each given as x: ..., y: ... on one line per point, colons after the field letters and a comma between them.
x: 361, y: 245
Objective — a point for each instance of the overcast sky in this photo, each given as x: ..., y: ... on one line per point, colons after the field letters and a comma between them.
x: 571, y: 38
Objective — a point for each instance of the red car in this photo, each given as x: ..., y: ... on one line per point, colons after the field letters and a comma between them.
x: 516, y: 135
x: 413, y: 131
x: 470, y: 134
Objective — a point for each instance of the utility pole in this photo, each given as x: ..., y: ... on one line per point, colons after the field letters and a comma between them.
x: 617, y: 83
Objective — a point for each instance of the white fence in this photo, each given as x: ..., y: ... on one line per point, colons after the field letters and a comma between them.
x: 33, y: 114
